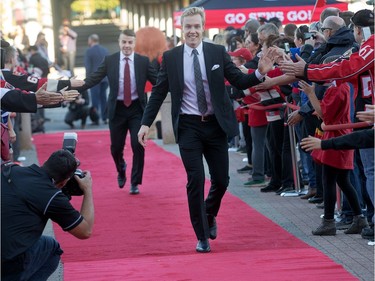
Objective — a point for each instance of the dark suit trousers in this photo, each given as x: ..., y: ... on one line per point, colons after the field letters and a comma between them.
x: 127, y: 119
x: 198, y: 139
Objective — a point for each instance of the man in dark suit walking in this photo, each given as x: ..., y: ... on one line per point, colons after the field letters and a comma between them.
x: 201, y: 125
x: 127, y: 73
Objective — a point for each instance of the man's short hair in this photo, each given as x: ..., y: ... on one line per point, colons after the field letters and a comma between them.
x: 276, y: 21
x: 333, y: 22
x: 289, y: 29
x: 269, y: 29
x: 61, y: 165
x: 128, y: 32
x: 346, y: 16
x: 192, y: 11
x: 251, y: 25
x: 330, y: 11
x: 9, y: 53
x: 94, y: 37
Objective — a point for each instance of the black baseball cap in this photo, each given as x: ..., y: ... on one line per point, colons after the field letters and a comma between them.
x: 363, y: 18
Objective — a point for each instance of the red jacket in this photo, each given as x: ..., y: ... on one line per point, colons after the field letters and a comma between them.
x: 358, y: 70
x: 335, y: 110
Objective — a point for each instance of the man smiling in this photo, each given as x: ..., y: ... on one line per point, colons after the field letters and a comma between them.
x: 202, y: 114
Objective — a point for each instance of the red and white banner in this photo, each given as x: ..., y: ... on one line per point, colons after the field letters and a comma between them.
x: 238, y: 17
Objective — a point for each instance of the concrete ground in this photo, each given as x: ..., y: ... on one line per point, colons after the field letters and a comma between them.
x: 293, y: 214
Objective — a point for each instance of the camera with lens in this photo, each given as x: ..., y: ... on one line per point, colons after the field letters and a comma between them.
x: 72, y: 188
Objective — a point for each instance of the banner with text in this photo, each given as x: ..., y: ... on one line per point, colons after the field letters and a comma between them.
x: 238, y: 17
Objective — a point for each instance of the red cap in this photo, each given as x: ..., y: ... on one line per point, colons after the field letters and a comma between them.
x: 242, y: 53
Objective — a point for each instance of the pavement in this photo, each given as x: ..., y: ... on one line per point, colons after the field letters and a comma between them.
x: 293, y: 214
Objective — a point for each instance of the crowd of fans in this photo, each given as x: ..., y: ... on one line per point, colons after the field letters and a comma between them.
x: 316, y: 103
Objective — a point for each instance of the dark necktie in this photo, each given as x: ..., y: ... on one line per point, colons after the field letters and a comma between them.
x: 201, y: 96
x: 127, y: 88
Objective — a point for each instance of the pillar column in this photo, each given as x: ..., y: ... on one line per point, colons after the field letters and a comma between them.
x: 142, y: 15
x: 31, y: 19
x: 47, y: 24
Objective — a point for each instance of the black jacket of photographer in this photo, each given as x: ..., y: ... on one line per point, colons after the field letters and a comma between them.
x: 28, y: 200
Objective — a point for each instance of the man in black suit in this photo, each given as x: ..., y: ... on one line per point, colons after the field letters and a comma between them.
x: 201, y: 127
x: 127, y: 74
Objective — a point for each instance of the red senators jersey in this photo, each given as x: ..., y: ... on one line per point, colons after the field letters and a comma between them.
x: 25, y: 82
x: 358, y: 63
x: 31, y: 83
x: 358, y: 70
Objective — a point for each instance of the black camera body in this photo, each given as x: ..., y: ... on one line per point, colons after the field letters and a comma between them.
x: 72, y: 188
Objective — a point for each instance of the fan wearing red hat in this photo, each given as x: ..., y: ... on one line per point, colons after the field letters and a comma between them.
x: 242, y: 55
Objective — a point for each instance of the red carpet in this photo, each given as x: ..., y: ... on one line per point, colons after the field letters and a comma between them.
x: 149, y: 236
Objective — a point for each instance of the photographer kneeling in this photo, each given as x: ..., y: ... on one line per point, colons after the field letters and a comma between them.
x: 29, y: 197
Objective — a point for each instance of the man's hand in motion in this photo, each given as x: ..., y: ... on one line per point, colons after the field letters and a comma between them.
x: 142, y: 135
x: 311, y: 143
x: 368, y: 115
x: 296, y: 69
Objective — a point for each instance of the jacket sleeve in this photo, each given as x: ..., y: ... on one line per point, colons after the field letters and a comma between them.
x: 17, y: 101
x: 152, y: 73
x: 158, y: 94
x: 345, y: 69
x: 357, y: 139
x: 95, y: 77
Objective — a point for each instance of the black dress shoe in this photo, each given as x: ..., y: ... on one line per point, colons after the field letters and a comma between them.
x: 269, y: 188
x: 203, y: 246
x: 134, y: 189
x: 121, y: 180
x: 316, y: 199
x: 284, y: 189
x: 213, y: 229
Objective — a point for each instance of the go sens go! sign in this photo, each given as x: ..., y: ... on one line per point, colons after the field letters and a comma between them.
x: 238, y: 17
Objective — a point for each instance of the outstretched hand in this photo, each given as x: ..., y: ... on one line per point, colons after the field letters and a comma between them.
x: 266, y: 84
x: 293, y: 68
x: 44, y: 97
x: 306, y: 87
x: 367, y: 115
x: 311, y: 143
x: 265, y: 63
x: 70, y: 95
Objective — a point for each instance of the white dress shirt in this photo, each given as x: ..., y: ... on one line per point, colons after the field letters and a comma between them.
x: 189, y: 99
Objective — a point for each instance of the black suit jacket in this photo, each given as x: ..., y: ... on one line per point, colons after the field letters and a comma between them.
x: 144, y: 71
x: 219, y: 67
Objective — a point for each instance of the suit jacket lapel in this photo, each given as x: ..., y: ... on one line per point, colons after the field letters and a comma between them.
x: 136, y: 71
x: 208, y: 61
x: 116, y: 67
x: 180, y: 66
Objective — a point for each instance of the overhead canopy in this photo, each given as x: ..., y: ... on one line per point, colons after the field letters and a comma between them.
x: 221, y: 14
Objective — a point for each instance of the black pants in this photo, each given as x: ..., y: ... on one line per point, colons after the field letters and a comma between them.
x: 198, y: 139
x: 248, y: 139
x: 331, y: 176
x: 127, y: 119
x: 280, y: 155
